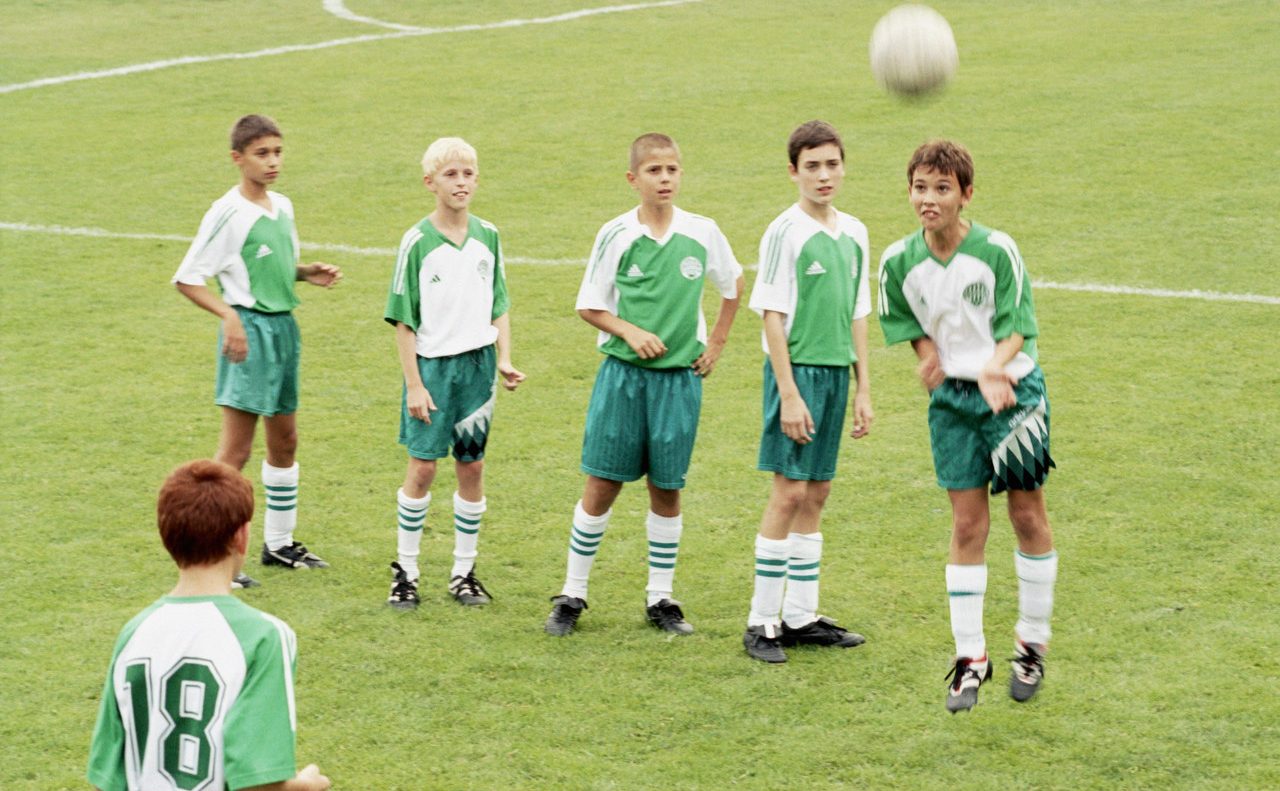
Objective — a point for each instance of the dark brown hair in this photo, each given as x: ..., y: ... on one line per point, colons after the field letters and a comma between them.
x: 251, y: 127
x: 812, y: 135
x: 946, y: 157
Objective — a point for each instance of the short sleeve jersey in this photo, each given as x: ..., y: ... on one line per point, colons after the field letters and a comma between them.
x: 251, y: 251
x: 449, y: 294
x: 657, y: 284
x: 966, y: 305
x: 199, y: 695
x: 818, y: 278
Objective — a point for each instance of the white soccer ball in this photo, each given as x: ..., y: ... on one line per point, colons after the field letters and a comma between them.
x: 913, y: 51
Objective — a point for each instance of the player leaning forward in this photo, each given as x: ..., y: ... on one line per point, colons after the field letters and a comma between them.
x: 961, y: 295
x: 200, y: 689
x: 448, y: 303
x: 643, y: 291
x: 248, y: 241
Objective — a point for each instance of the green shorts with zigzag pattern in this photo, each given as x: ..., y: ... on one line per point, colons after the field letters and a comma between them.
x: 973, y: 447
x: 464, y: 388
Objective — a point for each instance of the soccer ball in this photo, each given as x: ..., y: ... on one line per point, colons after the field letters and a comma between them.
x: 913, y: 51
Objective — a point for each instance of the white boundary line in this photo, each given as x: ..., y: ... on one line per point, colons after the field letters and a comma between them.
x: 389, y: 252
x: 156, y: 65
x: 340, y: 10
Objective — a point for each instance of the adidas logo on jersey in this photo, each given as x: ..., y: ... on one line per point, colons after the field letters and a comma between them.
x: 634, y: 271
x: 815, y: 269
x: 263, y: 251
x: 435, y: 278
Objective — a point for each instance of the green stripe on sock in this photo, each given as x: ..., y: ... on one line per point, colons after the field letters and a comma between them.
x: 1022, y: 554
x: 805, y: 566
x: 460, y: 518
x: 653, y: 554
x: 411, y: 528
x: 662, y: 565
x: 954, y: 594
x: 770, y: 562
x: 468, y: 531
x: 280, y: 488
x: 282, y: 507
x: 804, y: 578
x: 660, y: 545
x: 762, y: 573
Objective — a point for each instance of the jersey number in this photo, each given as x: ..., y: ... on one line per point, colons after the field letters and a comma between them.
x: 190, y: 695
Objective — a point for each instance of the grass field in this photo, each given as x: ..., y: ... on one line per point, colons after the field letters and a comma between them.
x: 1129, y: 144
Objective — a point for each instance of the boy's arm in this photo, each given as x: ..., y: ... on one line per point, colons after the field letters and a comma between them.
x: 862, y: 412
x: 319, y: 274
x: 719, y: 335
x: 417, y: 399
x: 797, y: 422
x: 309, y: 779
x: 511, y: 378
x: 994, y: 382
x: 235, y: 346
x: 645, y: 344
x: 930, y: 367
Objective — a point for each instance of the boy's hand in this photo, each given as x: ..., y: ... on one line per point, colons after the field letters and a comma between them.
x: 645, y: 344
x: 862, y: 415
x: 996, y: 386
x: 930, y: 371
x: 318, y: 274
x: 797, y: 423
x: 235, y: 345
x: 419, y: 403
x: 311, y: 779
x: 706, y: 362
x: 511, y: 378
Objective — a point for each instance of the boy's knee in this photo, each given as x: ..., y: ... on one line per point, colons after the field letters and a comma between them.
x: 422, y: 471
x: 816, y: 494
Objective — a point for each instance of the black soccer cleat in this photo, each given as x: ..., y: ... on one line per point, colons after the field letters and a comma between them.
x: 404, y: 591
x: 667, y: 616
x: 468, y: 590
x: 763, y: 643
x: 1028, y: 671
x: 292, y: 556
x: 564, y: 615
x: 242, y: 580
x: 962, y: 692
x: 823, y: 631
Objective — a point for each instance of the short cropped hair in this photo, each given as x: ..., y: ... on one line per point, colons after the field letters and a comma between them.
x: 946, y: 157
x: 646, y: 144
x: 201, y: 506
x: 811, y: 135
x: 251, y: 127
x: 448, y: 149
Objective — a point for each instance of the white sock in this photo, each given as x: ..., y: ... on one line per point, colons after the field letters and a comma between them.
x: 466, y: 534
x: 1036, y: 576
x: 966, y: 588
x: 664, y: 544
x: 800, y: 607
x: 281, y: 487
x: 771, y: 580
x: 411, y: 519
x: 584, y: 541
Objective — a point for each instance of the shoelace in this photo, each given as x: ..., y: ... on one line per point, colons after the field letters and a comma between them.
x: 959, y: 672
x: 471, y: 586
x: 1030, y: 664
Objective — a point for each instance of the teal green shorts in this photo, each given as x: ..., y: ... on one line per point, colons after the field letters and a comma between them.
x: 973, y: 447
x: 642, y: 421
x: 825, y: 390
x: 464, y: 388
x: 266, y: 383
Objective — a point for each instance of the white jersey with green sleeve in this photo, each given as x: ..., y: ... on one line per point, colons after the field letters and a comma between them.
x: 252, y: 252
x: 657, y: 284
x: 199, y: 696
x: 966, y: 305
x: 449, y: 294
x: 818, y: 278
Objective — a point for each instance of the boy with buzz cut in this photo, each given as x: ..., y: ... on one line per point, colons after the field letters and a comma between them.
x: 960, y: 293
x: 199, y: 693
x: 448, y: 303
x: 643, y: 291
x: 249, y: 242
x: 813, y: 295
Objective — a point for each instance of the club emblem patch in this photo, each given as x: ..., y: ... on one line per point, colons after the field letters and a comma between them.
x: 691, y: 268
x: 976, y: 294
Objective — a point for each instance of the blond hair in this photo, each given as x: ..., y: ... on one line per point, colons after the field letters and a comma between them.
x: 448, y: 149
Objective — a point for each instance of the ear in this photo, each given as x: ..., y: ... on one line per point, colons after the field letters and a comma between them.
x: 792, y: 172
x: 631, y: 178
x: 236, y: 157
x: 240, y: 540
x: 427, y: 181
x: 966, y: 196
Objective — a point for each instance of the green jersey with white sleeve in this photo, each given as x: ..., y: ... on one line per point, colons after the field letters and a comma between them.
x: 199, y: 695
x: 966, y: 305
x: 817, y: 277
x: 252, y: 251
x: 657, y: 284
x: 449, y: 294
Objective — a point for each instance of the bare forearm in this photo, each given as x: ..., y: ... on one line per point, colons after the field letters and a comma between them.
x: 775, y: 336
x: 1006, y: 350
x: 407, y: 349
x: 724, y: 319
x: 861, y: 368
x: 503, y: 324
x: 204, y: 298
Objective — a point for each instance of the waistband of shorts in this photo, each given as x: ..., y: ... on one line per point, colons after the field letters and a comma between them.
x: 479, y: 351
x: 263, y: 313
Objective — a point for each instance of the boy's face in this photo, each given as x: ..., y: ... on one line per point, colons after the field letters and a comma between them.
x: 657, y: 177
x: 453, y: 184
x: 261, y: 160
x: 818, y: 172
x: 937, y: 198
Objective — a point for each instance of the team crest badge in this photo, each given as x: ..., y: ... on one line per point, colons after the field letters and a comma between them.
x: 483, y: 267
x: 691, y: 268
x: 976, y: 294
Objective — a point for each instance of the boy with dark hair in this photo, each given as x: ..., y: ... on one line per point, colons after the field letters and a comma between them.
x: 199, y: 693
x: 643, y: 291
x: 248, y: 241
x: 960, y: 293
x: 813, y: 294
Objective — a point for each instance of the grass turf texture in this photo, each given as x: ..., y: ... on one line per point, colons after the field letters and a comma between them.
x: 1111, y: 153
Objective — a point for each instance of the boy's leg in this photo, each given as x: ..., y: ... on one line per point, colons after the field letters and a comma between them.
x: 764, y: 622
x: 235, y: 443
x: 468, y: 507
x: 590, y: 519
x: 280, y: 482
x: 801, y: 624
x: 663, y: 527
x: 966, y: 576
x: 412, y: 501
x: 1036, y: 563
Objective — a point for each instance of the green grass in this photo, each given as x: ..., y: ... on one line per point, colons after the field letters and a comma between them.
x: 1130, y: 144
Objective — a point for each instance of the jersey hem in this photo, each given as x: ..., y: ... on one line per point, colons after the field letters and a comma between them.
x: 261, y: 778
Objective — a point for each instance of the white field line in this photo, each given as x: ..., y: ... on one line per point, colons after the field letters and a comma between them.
x: 340, y: 10
x: 390, y: 252
x: 187, y: 60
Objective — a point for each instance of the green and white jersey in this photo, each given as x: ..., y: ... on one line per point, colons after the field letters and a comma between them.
x: 818, y: 278
x: 199, y: 696
x: 449, y: 294
x: 253, y: 253
x: 966, y: 305
x: 656, y: 284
